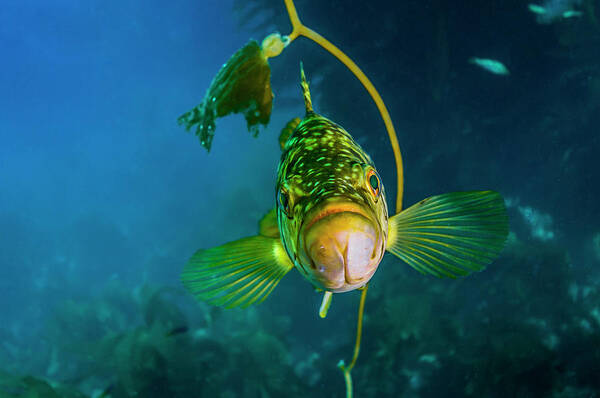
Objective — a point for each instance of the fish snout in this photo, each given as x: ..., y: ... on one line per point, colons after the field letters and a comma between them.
x: 344, y: 249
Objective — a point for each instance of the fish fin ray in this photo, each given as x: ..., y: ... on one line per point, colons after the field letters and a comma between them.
x: 237, y: 274
x: 450, y: 235
x: 268, y: 226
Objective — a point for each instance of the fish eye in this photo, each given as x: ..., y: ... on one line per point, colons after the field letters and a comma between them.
x: 373, y: 182
x: 283, y: 199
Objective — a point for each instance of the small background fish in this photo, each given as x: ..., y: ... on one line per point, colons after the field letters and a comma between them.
x: 491, y: 65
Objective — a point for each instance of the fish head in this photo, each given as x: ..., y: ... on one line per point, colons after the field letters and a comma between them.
x: 335, y: 228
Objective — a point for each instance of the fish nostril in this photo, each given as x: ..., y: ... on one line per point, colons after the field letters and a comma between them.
x: 314, y: 266
x: 375, y: 251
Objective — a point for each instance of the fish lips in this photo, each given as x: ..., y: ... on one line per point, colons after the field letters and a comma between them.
x: 341, y: 245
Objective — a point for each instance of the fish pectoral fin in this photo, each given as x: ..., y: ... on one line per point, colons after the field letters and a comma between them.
x: 450, y: 235
x: 268, y: 226
x: 239, y: 273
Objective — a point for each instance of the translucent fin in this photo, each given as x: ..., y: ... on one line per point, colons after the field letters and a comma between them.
x: 237, y: 274
x: 268, y: 226
x: 243, y: 85
x: 287, y: 131
x: 450, y: 235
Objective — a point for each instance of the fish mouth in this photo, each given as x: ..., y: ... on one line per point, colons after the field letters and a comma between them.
x: 333, y: 208
x: 341, y: 245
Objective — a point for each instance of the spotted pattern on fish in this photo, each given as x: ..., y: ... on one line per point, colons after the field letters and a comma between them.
x: 321, y: 161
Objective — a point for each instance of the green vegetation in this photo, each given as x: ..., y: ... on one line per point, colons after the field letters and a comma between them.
x: 243, y: 85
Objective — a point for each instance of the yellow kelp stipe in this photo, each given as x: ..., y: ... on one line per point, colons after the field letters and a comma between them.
x: 243, y: 85
x: 341, y: 364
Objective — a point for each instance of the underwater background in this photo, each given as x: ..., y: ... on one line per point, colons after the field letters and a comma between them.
x: 103, y: 198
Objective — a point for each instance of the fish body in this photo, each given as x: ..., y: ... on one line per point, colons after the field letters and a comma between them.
x: 331, y: 223
x: 332, y: 213
x: 571, y: 14
x: 536, y: 9
x: 491, y: 65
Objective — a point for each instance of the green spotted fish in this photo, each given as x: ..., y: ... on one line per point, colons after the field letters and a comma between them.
x: 331, y: 223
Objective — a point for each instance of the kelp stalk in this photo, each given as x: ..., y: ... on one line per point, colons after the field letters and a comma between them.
x: 341, y: 365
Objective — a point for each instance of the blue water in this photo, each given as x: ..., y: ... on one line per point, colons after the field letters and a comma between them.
x: 96, y: 174
x: 103, y: 197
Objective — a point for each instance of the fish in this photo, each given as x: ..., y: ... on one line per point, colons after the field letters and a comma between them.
x: 547, y: 17
x: 571, y: 14
x: 536, y: 9
x: 491, y: 65
x: 331, y: 223
x: 177, y: 331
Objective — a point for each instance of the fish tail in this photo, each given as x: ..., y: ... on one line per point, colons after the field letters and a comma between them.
x: 305, y: 90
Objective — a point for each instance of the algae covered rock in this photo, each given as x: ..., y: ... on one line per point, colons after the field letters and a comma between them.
x: 32, y: 387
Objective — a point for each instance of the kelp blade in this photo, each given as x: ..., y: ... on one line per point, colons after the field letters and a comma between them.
x: 243, y: 85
